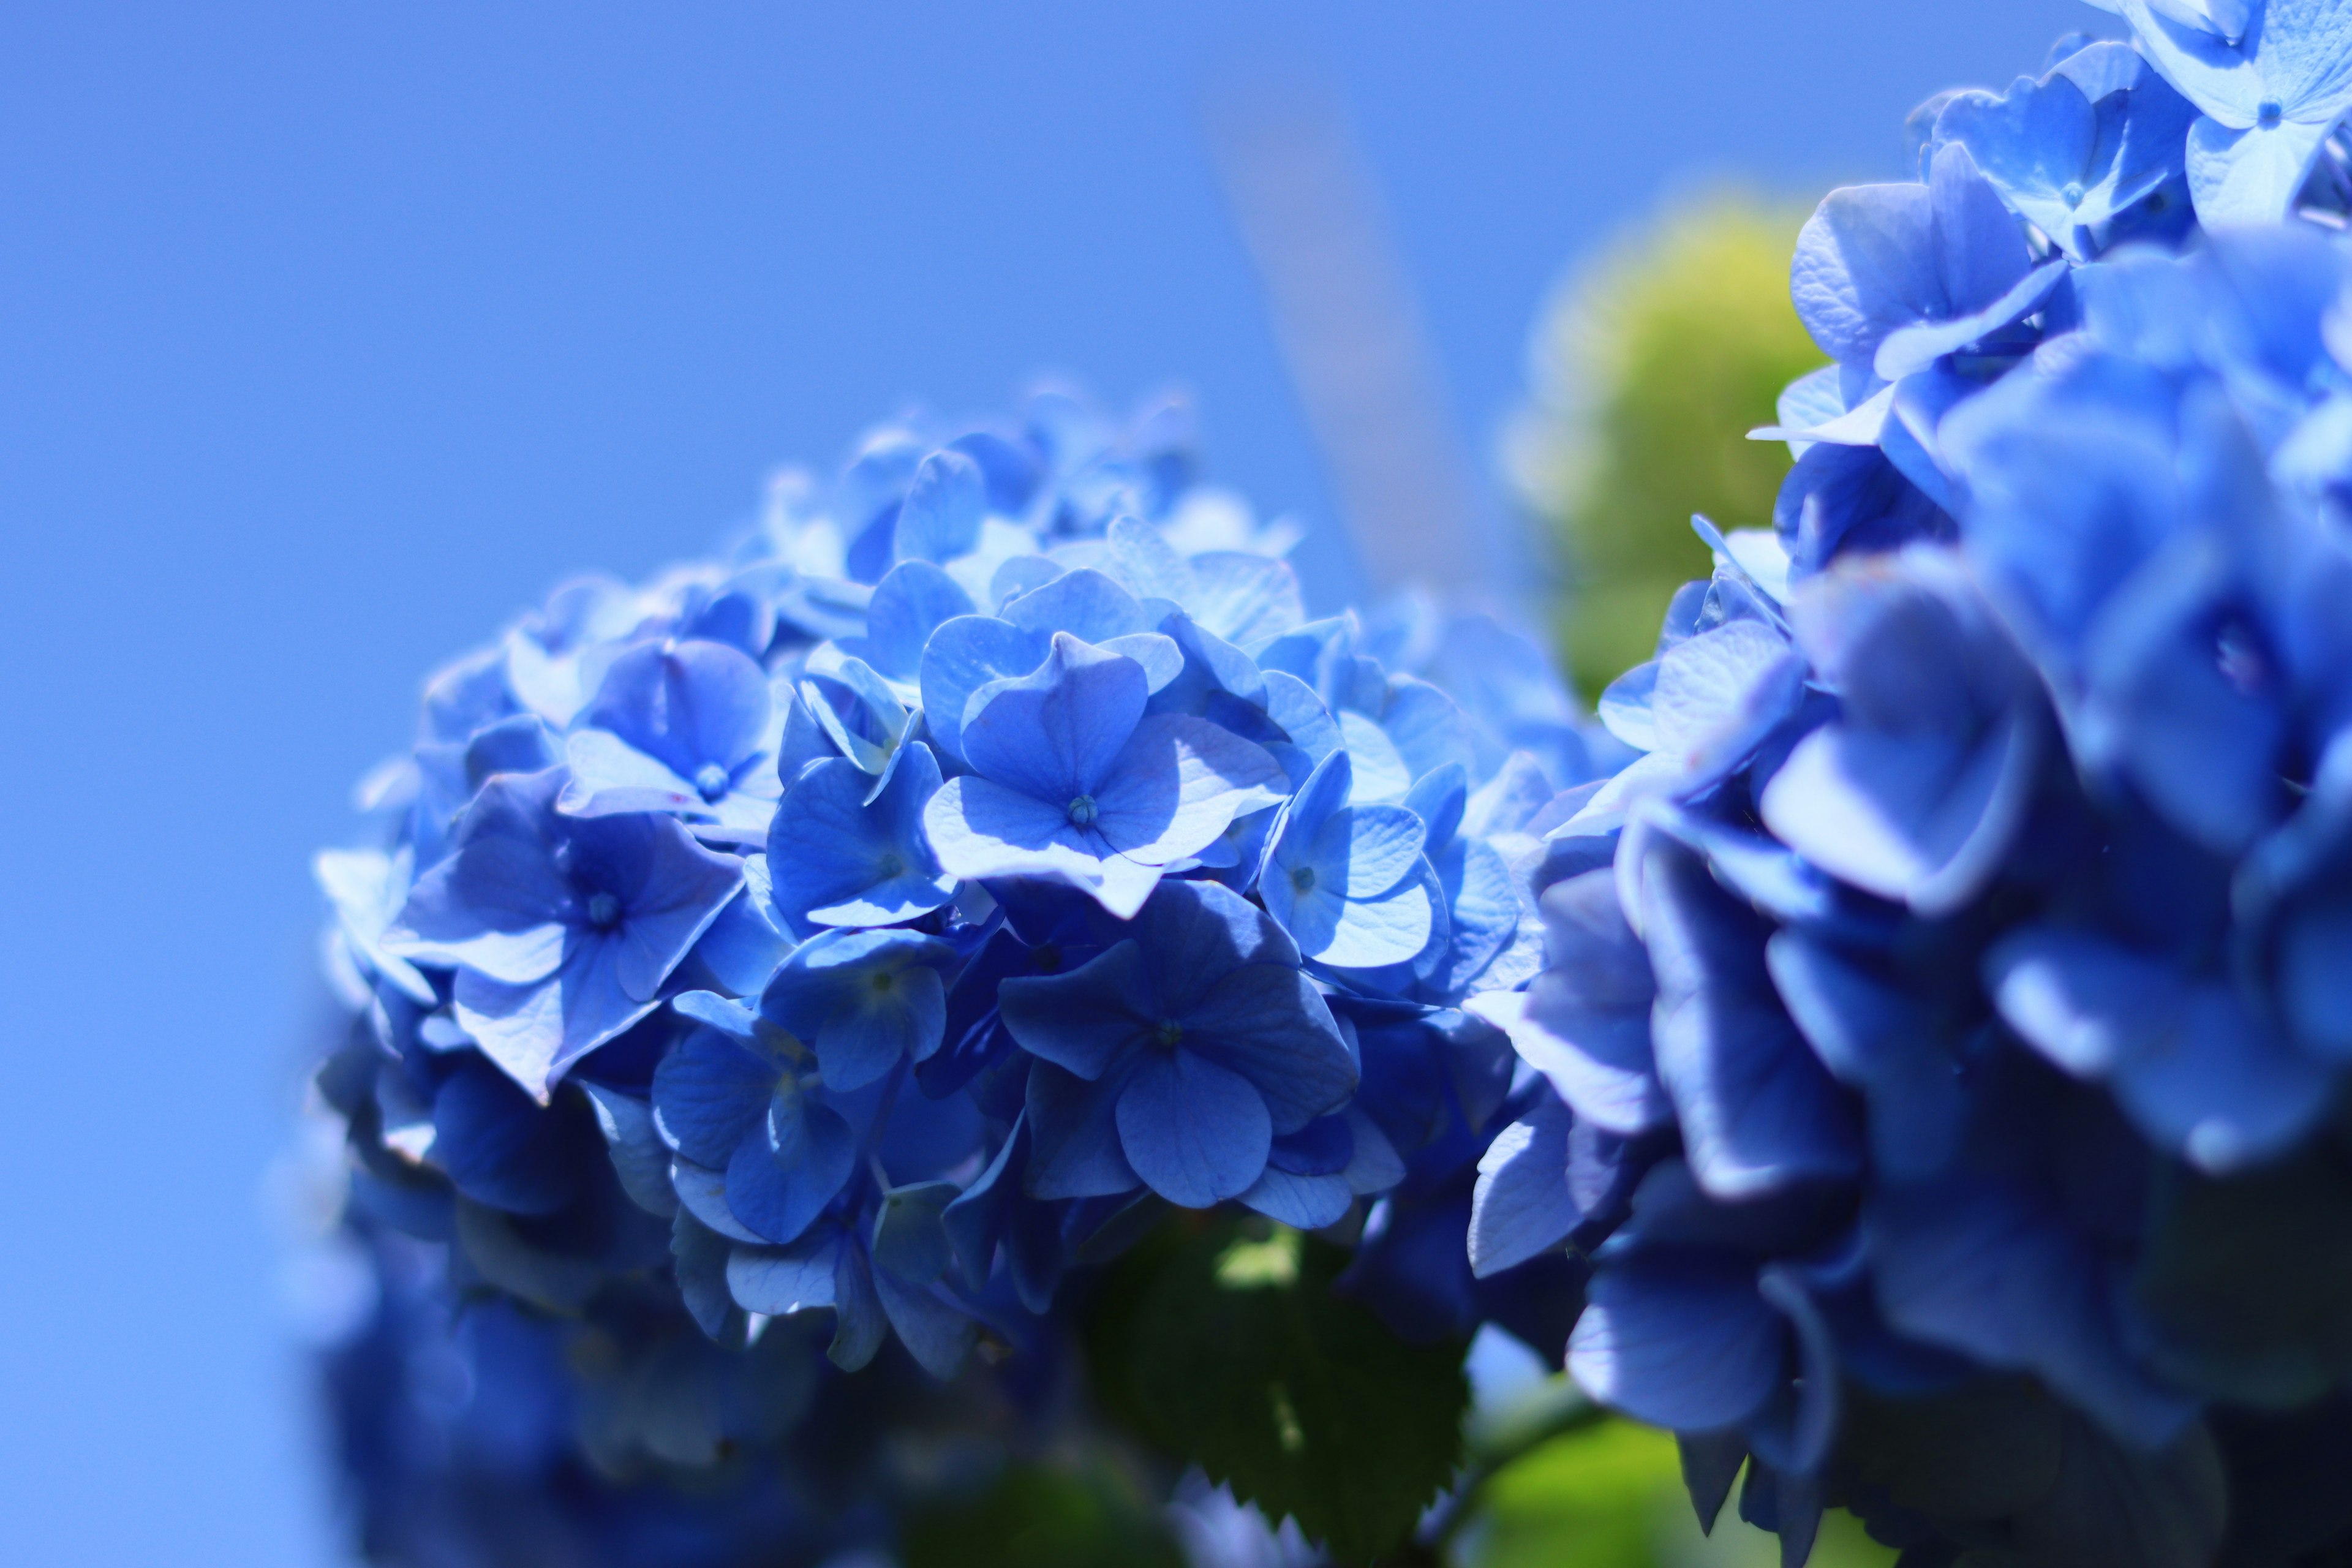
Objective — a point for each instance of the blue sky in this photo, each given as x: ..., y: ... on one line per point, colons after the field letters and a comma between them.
x: 331, y: 334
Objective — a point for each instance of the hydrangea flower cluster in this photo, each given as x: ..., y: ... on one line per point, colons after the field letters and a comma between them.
x: 829, y: 947
x: 1946, y: 1019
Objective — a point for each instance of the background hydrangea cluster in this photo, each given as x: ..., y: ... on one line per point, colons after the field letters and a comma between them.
x: 1948, y: 1014
x: 830, y: 947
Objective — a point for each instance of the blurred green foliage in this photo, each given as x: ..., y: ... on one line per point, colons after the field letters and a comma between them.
x: 1035, y: 1516
x: 1649, y: 368
x: 1610, y: 1495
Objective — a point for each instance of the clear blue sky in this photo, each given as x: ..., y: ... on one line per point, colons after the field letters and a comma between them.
x: 332, y: 332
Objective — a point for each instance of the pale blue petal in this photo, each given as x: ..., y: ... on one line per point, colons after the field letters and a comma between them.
x: 1175, y: 786
x: 536, y: 1031
x: 980, y: 829
x: 939, y: 518
x: 610, y: 775
x: 1086, y: 604
x: 1522, y: 1206
x: 2251, y: 177
x: 914, y: 601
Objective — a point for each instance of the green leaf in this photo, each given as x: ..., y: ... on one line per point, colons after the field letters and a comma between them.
x: 1225, y: 1345
x: 1034, y: 1516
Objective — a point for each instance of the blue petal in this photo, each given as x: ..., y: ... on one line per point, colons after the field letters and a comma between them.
x: 778, y: 1281
x: 1243, y: 598
x: 707, y: 1092
x: 975, y: 1219
x: 911, y: 1240
x: 1522, y: 1206
x: 1303, y: 1203
x: 860, y: 1324
x: 497, y: 1146
x: 1086, y: 605
x: 639, y: 1157
x: 1083, y: 1020
x: 1879, y: 1039
x: 837, y: 860
x: 609, y: 775
x: 962, y: 656
x: 940, y: 520
x: 914, y: 601
x: 702, y: 1192
x: 699, y: 1259
x: 863, y: 1000
x: 536, y: 1032
x: 1983, y: 1271
x: 780, y: 1201
x: 1196, y: 1132
x: 682, y: 889
x: 1865, y: 266
x: 1075, y: 1151
x: 683, y: 704
x: 938, y: 1334
x: 1759, y: 1112
x: 1269, y: 1024
x: 1052, y: 735
x: 2194, y: 1070
x: 980, y: 829
x: 1910, y: 349
x: 1679, y: 1341
x: 877, y: 1028
x: 744, y: 945
x: 1177, y: 783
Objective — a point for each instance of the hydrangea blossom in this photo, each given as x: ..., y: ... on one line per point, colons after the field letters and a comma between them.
x: 794, y: 967
x: 1941, y: 1041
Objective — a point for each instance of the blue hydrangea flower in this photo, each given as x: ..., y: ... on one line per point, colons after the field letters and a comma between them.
x: 1072, y: 780
x: 562, y: 931
x: 2272, y: 77
x: 1348, y: 882
x: 1178, y: 1055
x: 833, y: 946
x: 1940, y: 1028
x: 682, y: 728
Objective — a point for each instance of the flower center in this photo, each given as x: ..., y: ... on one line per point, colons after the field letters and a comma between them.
x: 881, y: 982
x: 604, y: 911
x: 2073, y: 192
x: 1168, y: 1034
x: 1082, y: 811
x: 711, y: 779
x: 1303, y: 878
x: 890, y: 865
x: 2268, y: 113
